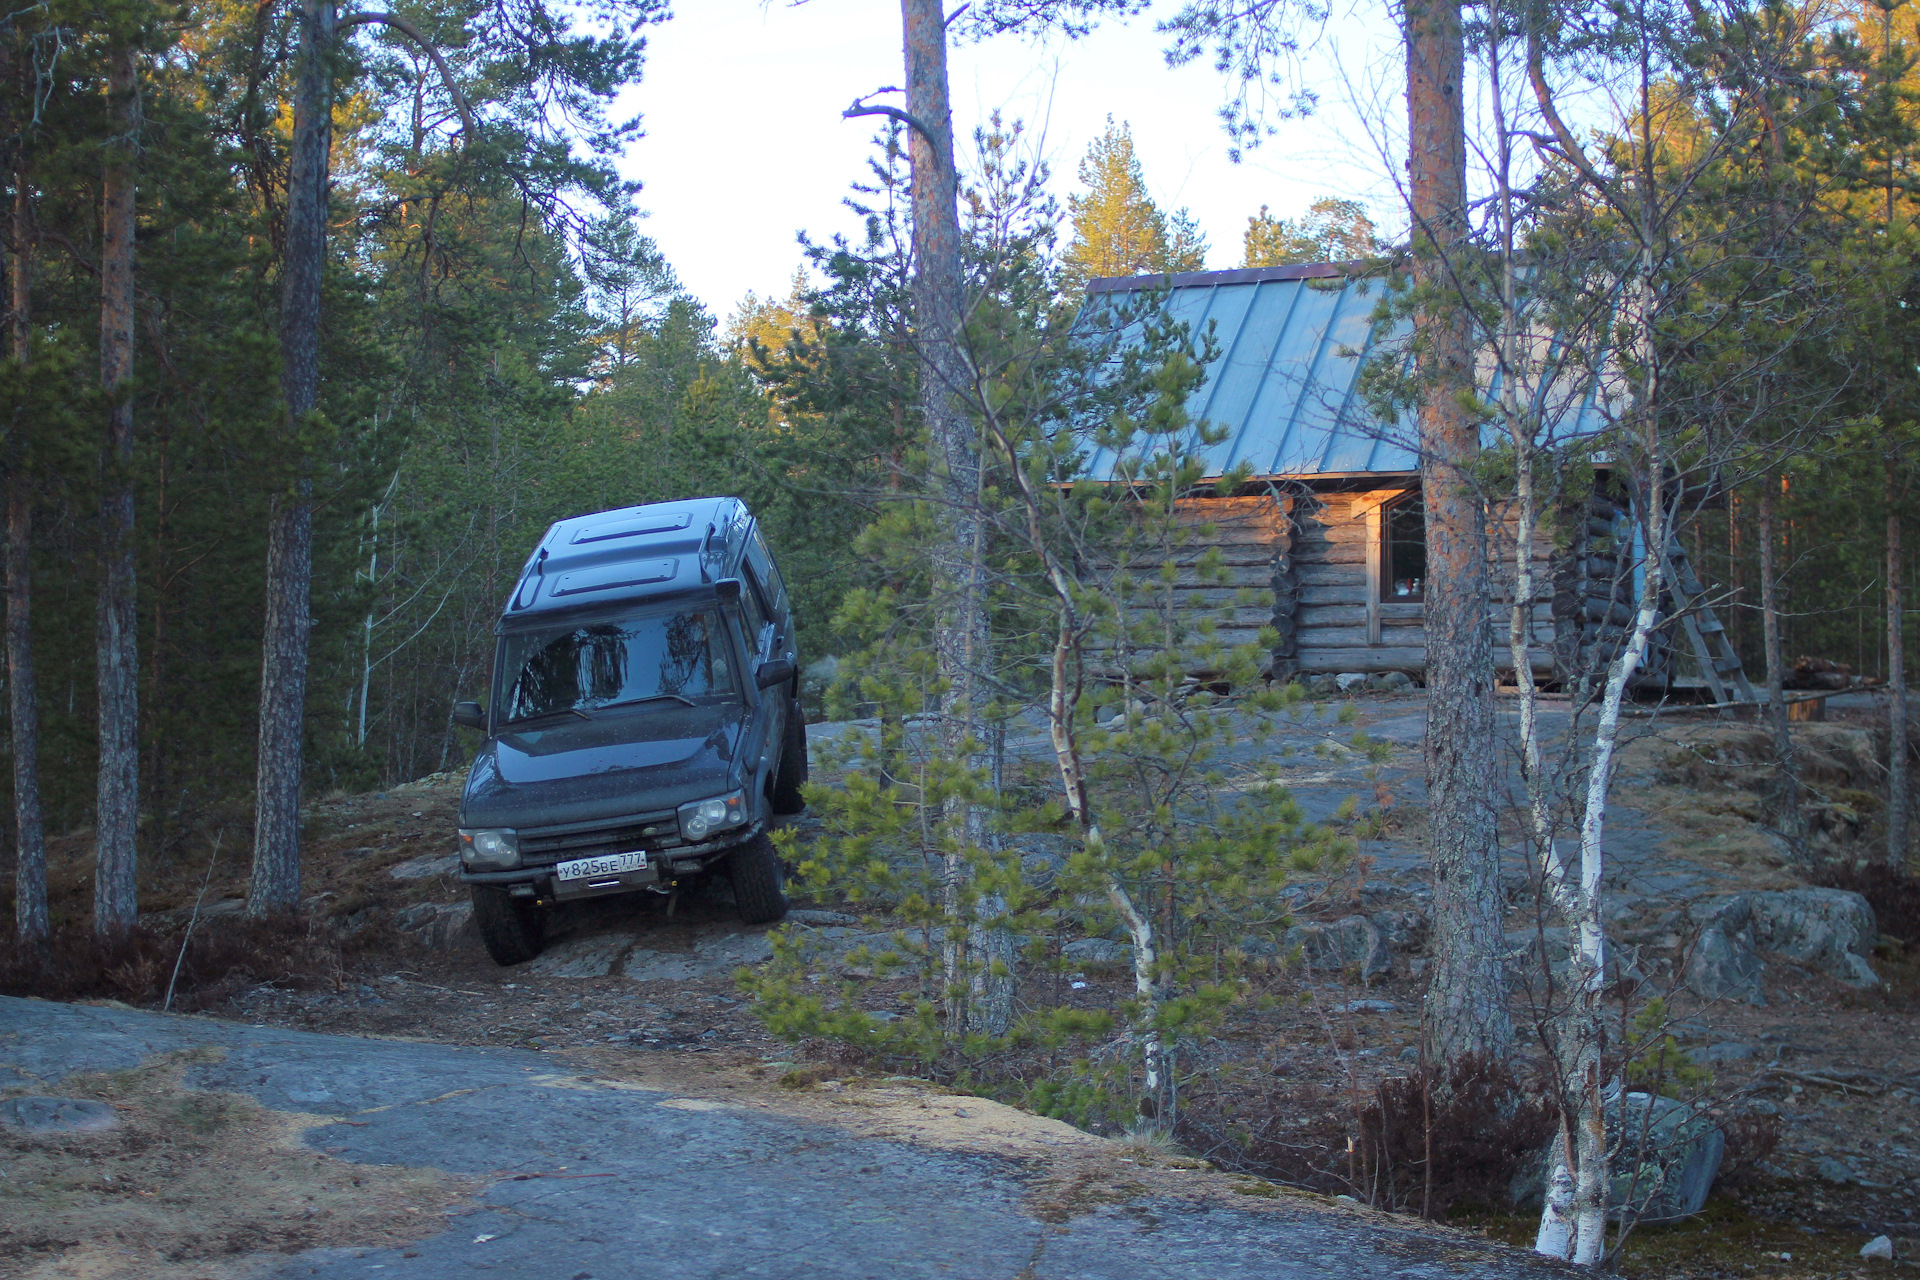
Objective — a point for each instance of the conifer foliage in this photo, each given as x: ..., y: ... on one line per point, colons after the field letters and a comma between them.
x: 1118, y: 230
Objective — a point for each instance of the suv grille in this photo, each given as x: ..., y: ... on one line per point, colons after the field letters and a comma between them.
x: 544, y: 847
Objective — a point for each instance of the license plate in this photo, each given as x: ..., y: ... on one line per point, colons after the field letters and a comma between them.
x: 609, y: 864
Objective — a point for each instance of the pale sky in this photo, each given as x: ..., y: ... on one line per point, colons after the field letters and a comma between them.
x: 745, y: 145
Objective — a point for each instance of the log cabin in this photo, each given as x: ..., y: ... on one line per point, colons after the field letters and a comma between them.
x: 1330, y: 521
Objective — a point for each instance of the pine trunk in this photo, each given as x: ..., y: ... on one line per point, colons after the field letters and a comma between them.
x: 23, y: 707
x: 117, y: 669
x: 275, y: 883
x: 1899, y: 784
x: 1466, y: 1007
x: 960, y: 629
x: 1785, y: 804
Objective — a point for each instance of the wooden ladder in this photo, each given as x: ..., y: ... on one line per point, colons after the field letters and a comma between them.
x: 1713, y: 652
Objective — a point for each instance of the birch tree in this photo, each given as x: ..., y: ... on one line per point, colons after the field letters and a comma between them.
x: 1664, y: 431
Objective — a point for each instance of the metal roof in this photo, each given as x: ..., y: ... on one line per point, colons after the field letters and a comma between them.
x: 1284, y: 386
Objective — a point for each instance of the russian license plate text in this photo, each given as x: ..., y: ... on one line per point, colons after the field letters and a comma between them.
x: 610, y: 864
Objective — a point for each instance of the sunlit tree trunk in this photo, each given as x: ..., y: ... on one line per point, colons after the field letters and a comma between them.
x: 960, y: 624
x: 275, y: 883
x: 117, y: 817
x: 1466, y: 1005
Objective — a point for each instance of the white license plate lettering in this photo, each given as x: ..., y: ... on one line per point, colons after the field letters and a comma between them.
x: 611, y: 864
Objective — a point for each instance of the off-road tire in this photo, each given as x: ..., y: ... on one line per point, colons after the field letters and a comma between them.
x: 792, y: 774
x: 511, y: 930
x: 759, y: 887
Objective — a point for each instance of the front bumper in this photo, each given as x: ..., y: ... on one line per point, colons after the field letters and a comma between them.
x: 664, y: 866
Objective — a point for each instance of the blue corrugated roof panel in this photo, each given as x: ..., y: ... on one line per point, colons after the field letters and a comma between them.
x: 1291, y: 341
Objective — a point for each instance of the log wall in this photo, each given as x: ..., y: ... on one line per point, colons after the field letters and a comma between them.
x: 1308, y: 554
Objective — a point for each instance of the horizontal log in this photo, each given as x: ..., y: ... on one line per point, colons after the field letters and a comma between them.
x: 1353, y: 553
x: 1354, y: 615
x: 1397, y: 658
x: 1354, y: 637
x: 1147, y: 577
x: 1353, y: 591
x: 1319, y: 573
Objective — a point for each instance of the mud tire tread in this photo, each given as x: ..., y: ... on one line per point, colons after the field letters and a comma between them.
x: 759, y: 891
x: 512, y: 933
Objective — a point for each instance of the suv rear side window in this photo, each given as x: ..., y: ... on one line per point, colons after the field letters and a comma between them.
x: 581, y: 666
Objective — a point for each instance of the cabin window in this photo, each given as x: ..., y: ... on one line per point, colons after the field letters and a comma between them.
x: 1403, y: 534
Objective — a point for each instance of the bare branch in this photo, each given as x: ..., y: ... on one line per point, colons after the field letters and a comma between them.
x: 861, y: 107
x: 411, y: 32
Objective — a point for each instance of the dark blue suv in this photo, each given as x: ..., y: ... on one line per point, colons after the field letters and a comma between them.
x: 644, y: 725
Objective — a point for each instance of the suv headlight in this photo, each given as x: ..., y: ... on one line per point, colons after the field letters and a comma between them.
x: 704, y: 817
x: 489, y: 848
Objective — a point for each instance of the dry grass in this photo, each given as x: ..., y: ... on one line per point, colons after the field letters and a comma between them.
x: 194, y: 1184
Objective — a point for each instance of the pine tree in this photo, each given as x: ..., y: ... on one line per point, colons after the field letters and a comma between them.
x: 1331, y: 230
x: 1118, y: 230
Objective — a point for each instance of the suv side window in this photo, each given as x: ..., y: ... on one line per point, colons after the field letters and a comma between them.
x: 763, y: 570
x: 755, y: 616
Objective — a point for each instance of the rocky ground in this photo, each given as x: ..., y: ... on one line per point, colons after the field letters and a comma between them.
x: 1802, y: 1013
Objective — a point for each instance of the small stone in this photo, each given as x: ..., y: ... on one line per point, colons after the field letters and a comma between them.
x: 35, y: 1114
x: 1350, y: 679
x: 1731, y: 1051
x: 1365, y: 1006
x: 1410, y: 1053
x: 1838, y: 1172
x: 1878, y: 1247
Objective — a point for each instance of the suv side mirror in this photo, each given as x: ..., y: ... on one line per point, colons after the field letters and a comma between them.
x: 469, y: 715
x: 776, y: 671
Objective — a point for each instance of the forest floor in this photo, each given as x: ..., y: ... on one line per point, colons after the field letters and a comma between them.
x: 646, y: 985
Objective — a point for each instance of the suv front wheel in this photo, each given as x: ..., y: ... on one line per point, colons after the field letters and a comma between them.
x: 511, y: 930
x: 759, y: 889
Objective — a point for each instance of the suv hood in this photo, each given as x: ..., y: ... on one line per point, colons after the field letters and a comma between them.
x: 621, y: 762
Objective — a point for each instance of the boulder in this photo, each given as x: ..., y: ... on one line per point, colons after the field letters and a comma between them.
x: 1832, y: 930
x: 1353, y: 943
x: 1389, y: 682
x: 1723, y: 966
x: 1662, y: 1172
x: 1404, y: 930
x: 427, y: 864
x: 1098, y: 953
x: 441, y: 926
x: 1730, y: 1051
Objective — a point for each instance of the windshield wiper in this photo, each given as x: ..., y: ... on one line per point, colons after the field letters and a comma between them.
x: 548, y: 715
x: 652, y: 697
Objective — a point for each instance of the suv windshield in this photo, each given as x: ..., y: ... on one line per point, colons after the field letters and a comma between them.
x: 578, y: 666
